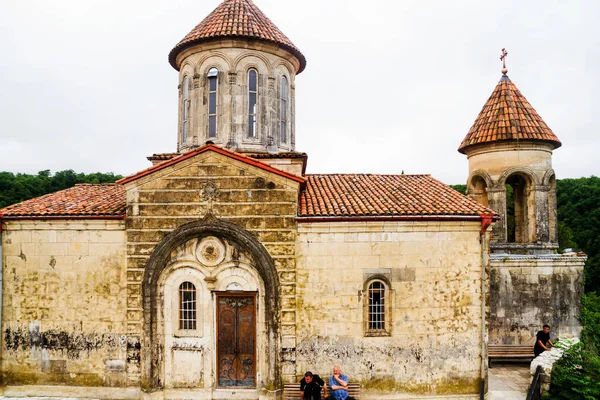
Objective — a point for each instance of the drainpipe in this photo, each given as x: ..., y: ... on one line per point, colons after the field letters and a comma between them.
x: 486, y: 221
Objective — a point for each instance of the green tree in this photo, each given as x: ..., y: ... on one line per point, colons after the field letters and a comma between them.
x: 15, y: 188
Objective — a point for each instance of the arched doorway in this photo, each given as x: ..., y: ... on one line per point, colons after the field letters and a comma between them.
x: 210, y: 310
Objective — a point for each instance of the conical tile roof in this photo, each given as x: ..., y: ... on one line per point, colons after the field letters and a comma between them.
x: 507, y: 115
x: 236, y: 19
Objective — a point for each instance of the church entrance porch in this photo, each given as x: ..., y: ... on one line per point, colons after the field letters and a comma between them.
x: 214, y: 315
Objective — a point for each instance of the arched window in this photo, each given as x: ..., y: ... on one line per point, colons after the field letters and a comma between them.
x: 252, y: 102
x: 186, y: 108
x: 213, y: 76
x: 187, y: 306
x: 284, y: 101
x: 376, y: 306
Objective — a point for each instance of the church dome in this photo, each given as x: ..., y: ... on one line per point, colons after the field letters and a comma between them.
x: 236, y: 19
x: 507, y: 116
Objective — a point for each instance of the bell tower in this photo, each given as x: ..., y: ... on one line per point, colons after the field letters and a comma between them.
x: 236, y: 86
x: 509, y: 148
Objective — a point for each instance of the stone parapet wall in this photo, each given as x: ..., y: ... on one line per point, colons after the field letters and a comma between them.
x: 527, y: 292
x: 63, y: 302
x: 434, y: 301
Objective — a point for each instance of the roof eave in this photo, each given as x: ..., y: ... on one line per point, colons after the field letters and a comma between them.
x: 463, y: 149
x: 384, y: 218
x: 179, y: 48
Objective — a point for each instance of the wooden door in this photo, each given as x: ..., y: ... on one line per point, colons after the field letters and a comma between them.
x: 236, y: 340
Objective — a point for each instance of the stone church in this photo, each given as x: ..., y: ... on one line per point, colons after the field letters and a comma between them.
x: 223, y: 270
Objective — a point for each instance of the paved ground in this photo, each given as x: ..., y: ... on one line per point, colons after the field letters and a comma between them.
x: 509, y: 381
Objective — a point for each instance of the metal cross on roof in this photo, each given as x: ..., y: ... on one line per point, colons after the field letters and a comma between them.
x: 503, y: 59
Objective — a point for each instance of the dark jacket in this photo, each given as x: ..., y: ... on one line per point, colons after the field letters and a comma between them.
x: 313, y: 388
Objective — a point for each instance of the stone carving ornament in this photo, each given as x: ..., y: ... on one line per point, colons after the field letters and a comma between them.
x: 210, y: 251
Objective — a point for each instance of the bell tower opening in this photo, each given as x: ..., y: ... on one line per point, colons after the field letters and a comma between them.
x: 520, y: 215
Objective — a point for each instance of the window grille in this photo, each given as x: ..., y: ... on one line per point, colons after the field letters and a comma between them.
x: 376, y: 306
x: 284, y: 99
x: 252, y: 102
x: 187, y: 306
x: 186, y: 108
x: 213, y: 75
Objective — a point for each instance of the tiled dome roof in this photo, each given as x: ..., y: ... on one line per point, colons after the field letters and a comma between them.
x: 236, y: 19
x: 507, y: 115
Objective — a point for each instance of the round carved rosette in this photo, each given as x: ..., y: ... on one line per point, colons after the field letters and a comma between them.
x: 210, y: 251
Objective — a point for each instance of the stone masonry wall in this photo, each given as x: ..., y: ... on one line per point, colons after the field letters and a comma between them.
x: 528, y: 292
x: 261, y: 202
x: 434, y: 343
x: 63, y: 308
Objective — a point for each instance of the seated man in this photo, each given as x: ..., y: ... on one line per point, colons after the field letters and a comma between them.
x: 338, y: 385
x: 310, y: 386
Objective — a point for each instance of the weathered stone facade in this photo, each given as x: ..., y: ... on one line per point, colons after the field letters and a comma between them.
x: 527, y: 292
x: 233, y: 60
x: 435, y: 275
x: 63, y: 309
x: 168, y: 208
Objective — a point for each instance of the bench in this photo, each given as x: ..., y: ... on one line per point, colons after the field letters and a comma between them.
x: 510, y: 352
x: 291, y: 391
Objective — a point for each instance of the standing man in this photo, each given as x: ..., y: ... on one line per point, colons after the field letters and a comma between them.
x: 310, y: 386
x: 541, y: 341
x: 338, y: 385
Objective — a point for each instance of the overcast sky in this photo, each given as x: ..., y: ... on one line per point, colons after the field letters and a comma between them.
x: 390, y: 86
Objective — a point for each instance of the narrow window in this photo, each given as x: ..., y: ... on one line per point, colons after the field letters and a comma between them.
x: 284, y: 100
x: 186, y: 108
x: 187, y: 306
x: 252, y: 102
x: 213, y: 75
x: 376, y: 306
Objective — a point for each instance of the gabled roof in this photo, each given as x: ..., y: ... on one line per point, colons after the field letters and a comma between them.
x: 335, y: 196
x: 508, y: 116
x: 236, y: 19
x: 82, y: 200
x: 366, y: 195
x: 216, y: 149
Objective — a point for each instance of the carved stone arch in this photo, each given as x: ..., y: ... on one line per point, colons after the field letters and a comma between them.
x: 182, y: 70
x: 288, y: 67
x: 548, y: 176
x: 489, y: 182
x: 267, y: 65
x: 210, y: 226
x: 203, y: 67
x: 522, y: 170
x: 376, y: 277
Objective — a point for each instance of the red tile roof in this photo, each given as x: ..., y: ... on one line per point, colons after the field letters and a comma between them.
x: 236, y: 19
x: 336, y: 195
x: 217, y: 149
x: 83, y: 200
x: 507, y: 115
x: 366, y: 195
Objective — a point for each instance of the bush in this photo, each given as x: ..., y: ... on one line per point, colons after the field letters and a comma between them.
x: 576, y: 376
